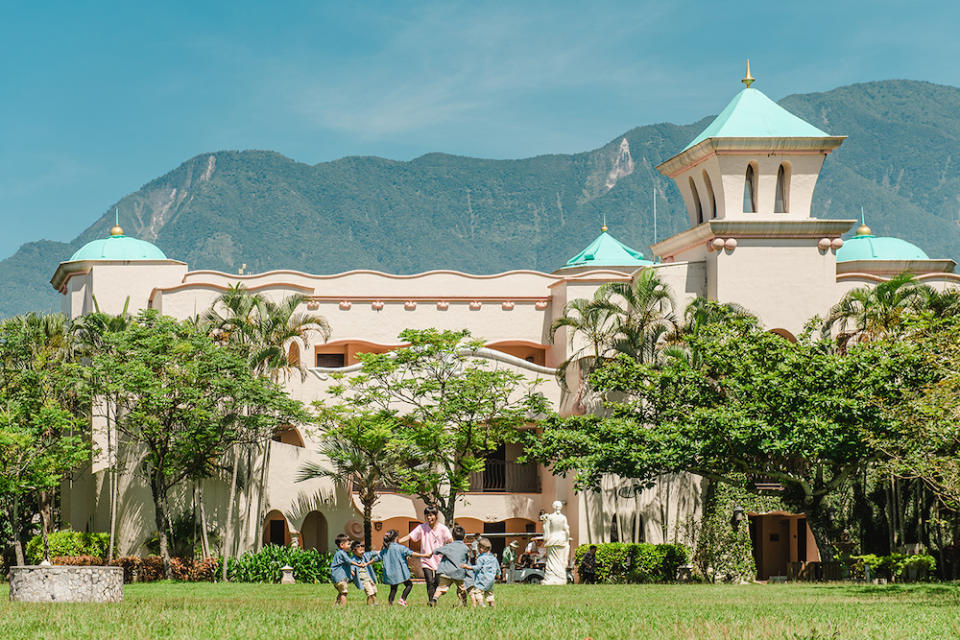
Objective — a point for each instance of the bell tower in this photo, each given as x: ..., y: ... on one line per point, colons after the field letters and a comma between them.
x: 747, y: 183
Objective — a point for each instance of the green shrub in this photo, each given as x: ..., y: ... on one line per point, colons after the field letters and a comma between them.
x: 309, y: 565
x: 68, y: 543
x: 622, y: 562
x: 896, y: 567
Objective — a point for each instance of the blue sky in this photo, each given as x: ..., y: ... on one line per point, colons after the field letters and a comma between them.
x: 98, y: 98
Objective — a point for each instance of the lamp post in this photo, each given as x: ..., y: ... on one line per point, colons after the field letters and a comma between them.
x: 738, y: 516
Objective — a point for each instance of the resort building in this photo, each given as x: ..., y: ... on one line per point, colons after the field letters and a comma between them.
x: 747, y: 182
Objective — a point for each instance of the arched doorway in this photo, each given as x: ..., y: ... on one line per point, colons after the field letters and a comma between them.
x: 275, y: 529
x: 287, y: 434
x: 314, y: 531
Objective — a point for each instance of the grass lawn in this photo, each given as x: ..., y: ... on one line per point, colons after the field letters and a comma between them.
x: 702, y: 612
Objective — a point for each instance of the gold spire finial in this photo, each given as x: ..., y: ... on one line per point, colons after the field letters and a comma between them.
x: 117, y: 230
x: 863, y: 229
x: 603, y: 227
x: 748, y: 79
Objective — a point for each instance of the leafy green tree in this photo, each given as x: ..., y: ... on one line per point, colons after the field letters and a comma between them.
x: 452, y: 406
x: 43, y: 432
x: 594, y: 322
x: 185, y: 401
x: 758, y: 405
x: 926, y: 444
x: 360, y: 448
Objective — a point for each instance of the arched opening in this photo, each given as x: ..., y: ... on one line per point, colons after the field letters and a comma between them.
x: 314, y: 531
x: 696, y: 201
x: 275, y: 529
x: 287, y: 434
x: 781, y: 203
x: 783, y: 333
x: 293, y: 355
x: 750, y: 190
x: 713, y: 195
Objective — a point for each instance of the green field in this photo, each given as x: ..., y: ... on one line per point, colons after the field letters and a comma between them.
x: 703, y: 612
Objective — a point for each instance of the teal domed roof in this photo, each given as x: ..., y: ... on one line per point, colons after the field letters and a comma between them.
x: 118, y: 247
x: 865, y: 246
x: 607, y: 251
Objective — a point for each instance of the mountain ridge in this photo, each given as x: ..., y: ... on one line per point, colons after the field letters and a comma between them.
x: 221, y: 209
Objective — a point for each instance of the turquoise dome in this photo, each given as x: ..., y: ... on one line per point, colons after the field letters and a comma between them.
x: 118, y: 247
x: 869, y: 247
x: 607, y: 251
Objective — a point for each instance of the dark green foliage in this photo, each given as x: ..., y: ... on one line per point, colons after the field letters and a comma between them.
x: 896, y: 567
x: 68, y: 543
x: 634, y: 563
x: 483, y: 216
x: 309, y: 565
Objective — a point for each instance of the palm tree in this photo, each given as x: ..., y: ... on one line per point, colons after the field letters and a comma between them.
x: 264, y: 331
x: 643, y: 312
x: 873, y: 313
x: 361, y: 455
x: 591, y: 319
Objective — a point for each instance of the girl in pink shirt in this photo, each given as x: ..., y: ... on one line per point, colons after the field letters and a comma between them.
x: 431, y: 535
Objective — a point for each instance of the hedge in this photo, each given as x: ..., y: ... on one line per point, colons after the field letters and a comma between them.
x: 309, y: 565
x: 622, y: 562
x: 68, y: 543
x: 896, y: 567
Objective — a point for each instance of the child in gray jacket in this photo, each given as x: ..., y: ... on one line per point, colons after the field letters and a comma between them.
x: 450, y: 572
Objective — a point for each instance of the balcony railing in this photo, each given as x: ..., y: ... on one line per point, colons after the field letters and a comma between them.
x: 506, y: 477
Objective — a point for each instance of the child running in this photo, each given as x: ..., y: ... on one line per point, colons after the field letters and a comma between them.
x: 341, y: 567
x: 481, y: 576
x: 363, y: 577
x: 452, y: 556
x: 394, y: 556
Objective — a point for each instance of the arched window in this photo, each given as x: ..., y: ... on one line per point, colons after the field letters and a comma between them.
x: 781, y: 204
x: 293, y: 355
x: 713, y: 196
x: 696, y: 202
x: 750, y: 191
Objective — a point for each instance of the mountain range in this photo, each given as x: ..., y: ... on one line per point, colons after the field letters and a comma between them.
x: 224, y: 209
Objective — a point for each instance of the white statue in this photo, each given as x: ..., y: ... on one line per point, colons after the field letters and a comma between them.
x: 556, y: 537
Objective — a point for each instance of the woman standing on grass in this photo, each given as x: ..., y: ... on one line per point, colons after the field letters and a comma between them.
x: 431, y: 535
x: 395, y: 570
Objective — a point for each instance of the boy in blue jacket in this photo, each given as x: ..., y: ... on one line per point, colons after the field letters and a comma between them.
x: 452, y: 556
x: 365, y: 577
x: 482, y: 575
x: 341, y: 567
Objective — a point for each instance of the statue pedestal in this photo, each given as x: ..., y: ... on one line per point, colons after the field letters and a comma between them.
x: 66, y: 584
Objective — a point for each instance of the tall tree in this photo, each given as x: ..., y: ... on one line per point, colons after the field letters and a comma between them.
x: 89, y: 331
x: 360, y: 448
x: 758, y: 405
x: 183, y: 399
x: 264, y: 330
x: 644, y: 312
x: 43, y: 432
x: 873, y: 313
x: 452, y: 406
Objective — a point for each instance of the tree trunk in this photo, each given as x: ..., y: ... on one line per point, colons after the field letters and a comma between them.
x: 228, y: 535
x: 204, y: 539
x: 112, y: 485
x: 823, y: 527
x: 45, y: 523
x: 262, y: 490
x: 367, y: 522
x: 160, y: 516
x: 449, y: 509
x: 15, y: 525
